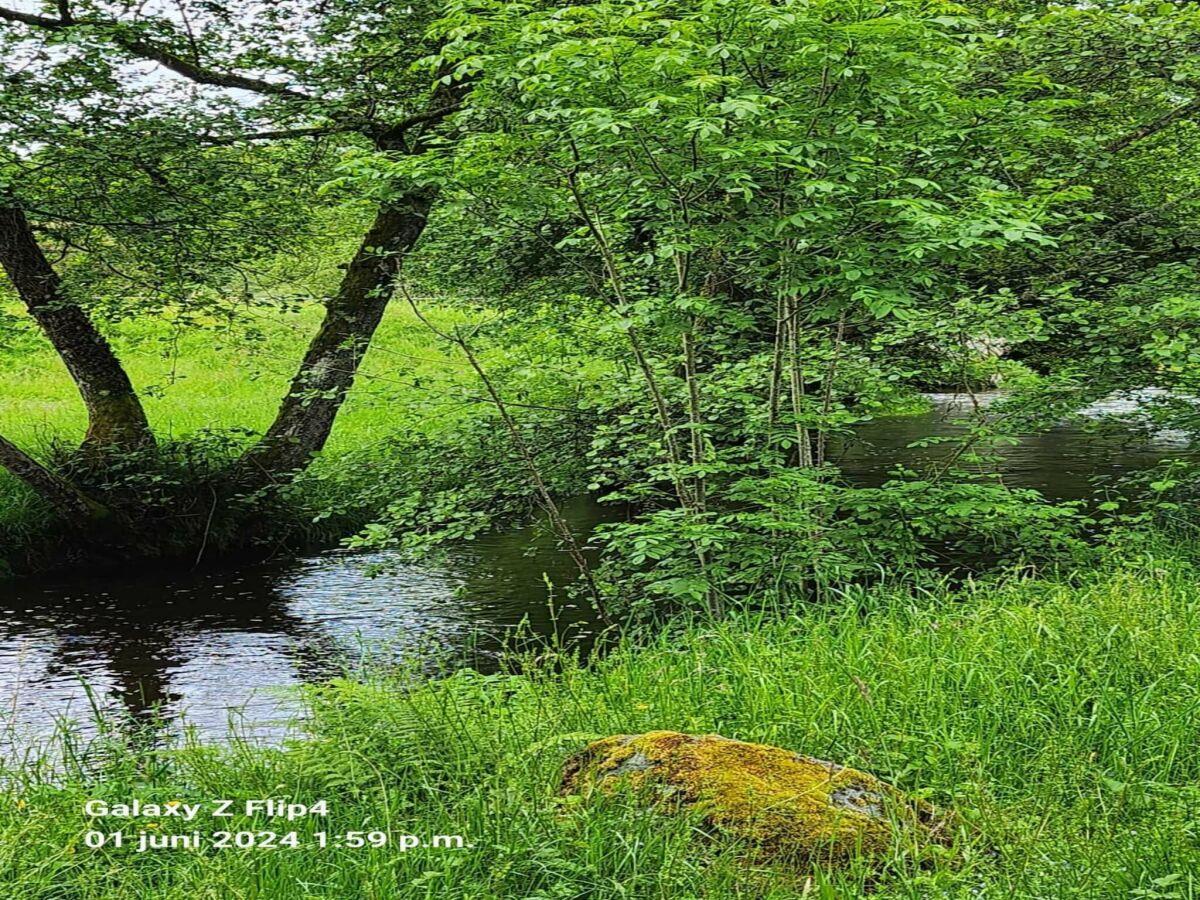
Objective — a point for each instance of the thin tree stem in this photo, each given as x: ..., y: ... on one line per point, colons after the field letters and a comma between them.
x: 545, y: 499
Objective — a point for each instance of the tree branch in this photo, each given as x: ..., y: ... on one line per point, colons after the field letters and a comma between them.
x: 190, y: 69
x: 203, y: 75
x: 395, y: 132
x: 383, y: 135
x: 36, y: 21
x: 1151, y: 128
x: 389, y: 135
x: 225, y: 140
x: 67, y: 500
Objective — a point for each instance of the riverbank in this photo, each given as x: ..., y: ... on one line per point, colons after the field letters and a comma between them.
x: 1056, y: 717
x: 421, y: 456
x: 416, y: 421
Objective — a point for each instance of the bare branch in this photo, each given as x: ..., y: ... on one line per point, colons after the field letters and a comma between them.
x: 193, y: 70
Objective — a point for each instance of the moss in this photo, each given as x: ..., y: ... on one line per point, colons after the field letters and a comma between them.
x: 787, y: 805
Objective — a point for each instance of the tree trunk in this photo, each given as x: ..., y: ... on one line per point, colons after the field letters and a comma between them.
x: 804, y: 450
x: 115, y: 415
x: 74, y: 507
x: 306, y: 416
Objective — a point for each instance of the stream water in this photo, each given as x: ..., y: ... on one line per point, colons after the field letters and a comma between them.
x: 213, y: 648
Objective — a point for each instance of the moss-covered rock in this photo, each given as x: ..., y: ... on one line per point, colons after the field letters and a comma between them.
x: 787, y: 805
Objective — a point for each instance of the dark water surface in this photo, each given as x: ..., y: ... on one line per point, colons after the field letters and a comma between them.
x: 215, y: 647
x: 1065, y: 463
x: 220, y: 646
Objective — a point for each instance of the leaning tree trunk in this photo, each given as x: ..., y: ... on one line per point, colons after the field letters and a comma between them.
x: 115, y: 415
x: 317, y: 392
x: 305, y: 417
x: 74, y: 506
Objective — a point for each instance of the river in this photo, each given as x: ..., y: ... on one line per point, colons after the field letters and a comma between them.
x: 215, y: 648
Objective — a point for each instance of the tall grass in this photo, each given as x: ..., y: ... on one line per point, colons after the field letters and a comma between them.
x: 1060, y: 719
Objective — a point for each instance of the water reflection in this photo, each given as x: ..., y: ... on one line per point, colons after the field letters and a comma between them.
x: 212, y: 644
x: 1068, y: 462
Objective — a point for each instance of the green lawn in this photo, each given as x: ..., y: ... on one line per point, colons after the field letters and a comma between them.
x: 1059, y: 720
x: 228, y: 377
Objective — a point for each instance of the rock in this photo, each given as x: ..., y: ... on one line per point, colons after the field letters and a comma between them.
x: 786, y: 805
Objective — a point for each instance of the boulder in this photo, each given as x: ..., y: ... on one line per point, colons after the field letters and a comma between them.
x: 787, y: 805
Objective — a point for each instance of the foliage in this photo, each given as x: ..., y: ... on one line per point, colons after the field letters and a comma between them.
x: 417, y: 438
x: 799, y: 534
x: 698, y: 244
x: 771, y: 204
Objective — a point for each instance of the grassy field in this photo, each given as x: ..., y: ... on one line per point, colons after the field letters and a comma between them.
x: 1058, y: 719
x: 411, y: 385
x: 221, y: 378
x: 228, y: 377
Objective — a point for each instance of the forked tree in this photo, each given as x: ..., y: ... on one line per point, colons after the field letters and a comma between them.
x: 86, y: 75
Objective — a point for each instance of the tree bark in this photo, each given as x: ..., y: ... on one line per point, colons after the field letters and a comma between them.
x: 804, y: 451
x: 70, y: 503
x: 115, y: 415
x: 306, y: 416
x: 1185, y: 111
x: 318, y: 390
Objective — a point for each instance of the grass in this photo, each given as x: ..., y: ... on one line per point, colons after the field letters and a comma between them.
x: 1058, y: 718
x: 219, y: 378
x: 234, y: 376
x: 411, y: 386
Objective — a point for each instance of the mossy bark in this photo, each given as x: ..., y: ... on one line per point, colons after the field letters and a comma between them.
x: 316, y: 394
x: 306, y: 416
x: 115, y: 415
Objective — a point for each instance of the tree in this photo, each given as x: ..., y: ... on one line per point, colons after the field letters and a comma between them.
x: 277, y: 74
x: 766, y: 198
x: 115, y: 414
x: 784, y: 210
x: 1119, y: 88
